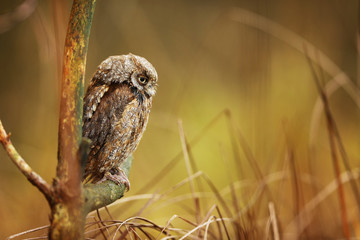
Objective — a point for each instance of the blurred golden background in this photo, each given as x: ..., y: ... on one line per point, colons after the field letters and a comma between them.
x: 246, y: 56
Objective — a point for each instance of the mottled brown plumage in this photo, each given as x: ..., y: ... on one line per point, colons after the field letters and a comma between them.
x: 116, y: 111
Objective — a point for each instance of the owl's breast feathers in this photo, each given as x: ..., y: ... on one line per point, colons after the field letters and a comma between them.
x: 114, y: 119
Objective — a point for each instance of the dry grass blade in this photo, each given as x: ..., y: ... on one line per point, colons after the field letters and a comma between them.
x: 156, y: 197
x: 108, y: 212
x: 127, y: 232
x: 163, y: 172
x: 189, y: 169
x: 245, y: 147
x: 207, y: 226
x: 100, y: 222
x: 253, y: 163
x: 222, y: 222
x: 332, y: 141
x: 27, y: 232
x: 148, y: 203
x: 303, y: 219
x: 145, y: 233
x: 297, y: 187
x: 248, y: 153
x: 346, y: 162
x: 203, y: 225
x: 290, y: 158
x: 253, y: 199
x: 135, y: 234
x: 178, y: 185
x: 170, y: 237
x: 208, y: 215
x: 167, y: 225
x: 135, y: 198
x: 36, y: 238
x: 234, y: 145
x: 330, y: 87
x: 297, y: 42
x: 217, y: 194
x: 234, y: 198
x: 273, y: 221
x: 130, y: 225
x: 272, y: 177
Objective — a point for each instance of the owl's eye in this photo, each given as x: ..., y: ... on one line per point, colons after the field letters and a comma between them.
x: 142, y: 79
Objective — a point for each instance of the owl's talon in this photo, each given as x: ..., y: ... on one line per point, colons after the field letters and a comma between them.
x: 119, y: 178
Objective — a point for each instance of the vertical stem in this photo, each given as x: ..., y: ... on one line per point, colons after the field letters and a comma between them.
x: 336, y: 166
x: 189, y: 169
x: 67, y: 221
x: 72, y: 91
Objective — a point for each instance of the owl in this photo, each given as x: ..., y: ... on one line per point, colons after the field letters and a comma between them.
x: 116, y: 110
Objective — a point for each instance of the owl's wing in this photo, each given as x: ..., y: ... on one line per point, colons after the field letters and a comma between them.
x: 92, y: 99
x: 103, y: 104
x: 95, y: 123
x: 103, y: 107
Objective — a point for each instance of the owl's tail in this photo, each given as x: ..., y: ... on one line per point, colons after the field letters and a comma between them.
x: 90, y: 178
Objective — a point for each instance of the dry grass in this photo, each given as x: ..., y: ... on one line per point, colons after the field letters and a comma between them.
x: 245, y: 209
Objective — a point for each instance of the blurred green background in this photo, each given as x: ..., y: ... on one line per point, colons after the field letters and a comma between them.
x: 208, y: 59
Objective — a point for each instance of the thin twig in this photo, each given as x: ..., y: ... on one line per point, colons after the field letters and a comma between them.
x: 34, y: 178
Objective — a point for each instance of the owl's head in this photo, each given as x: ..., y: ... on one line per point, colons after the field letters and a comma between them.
x: 132, y: 69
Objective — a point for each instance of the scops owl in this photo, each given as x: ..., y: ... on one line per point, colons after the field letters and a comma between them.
x: 116, y: 111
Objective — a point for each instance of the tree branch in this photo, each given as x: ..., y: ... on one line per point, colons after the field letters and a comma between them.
x: 100, y: 195
x: 32, y: 176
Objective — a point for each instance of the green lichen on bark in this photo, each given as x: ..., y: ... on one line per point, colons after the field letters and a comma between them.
x: 100, y: 195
